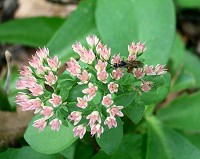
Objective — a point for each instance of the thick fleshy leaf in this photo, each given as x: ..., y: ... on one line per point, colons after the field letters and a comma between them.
x: 124, y: 99
x: 132, y: 147
x: 152, y: 22
x: 184, y: 81
x: 135, y: 111
x: 156, y: 96
x: 48, y: 141
x: 111, y: 139
x: 24, y: 152
x: 177, y: 55
x: 167, y: 144
x: 80, y: 24
x: 192, y: 63
x: 28, y: 31
x: 182, y: 113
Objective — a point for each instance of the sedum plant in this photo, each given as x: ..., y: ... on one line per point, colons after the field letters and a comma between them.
x: 93, y: 92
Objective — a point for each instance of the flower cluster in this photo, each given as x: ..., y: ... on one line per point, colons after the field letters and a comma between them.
x: 98, y: 74
x: 41, y: 72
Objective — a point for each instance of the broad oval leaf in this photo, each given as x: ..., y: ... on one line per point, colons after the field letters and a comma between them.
x: 28, y: 31
x: 22, y: 153
x: 167, y: 144
x: 111, y: 139
x: 80, y: 24
x: 152, y: 22
x: 48, y: 141
x: 182, y: 113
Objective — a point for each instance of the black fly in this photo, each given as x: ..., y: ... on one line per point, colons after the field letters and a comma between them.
x: 129, y: 65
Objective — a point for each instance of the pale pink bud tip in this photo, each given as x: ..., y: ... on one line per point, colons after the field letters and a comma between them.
x: 92, y: 40
x: 160, y: 69
x: 40, y: 124
x: 80, y: 131
x: 107, y: 100
x: 113, y: 87
x: 73, y: 67
x: 82, y: 102
x: 97, y: 129
x: 55, y: 100
x: 115, y: 110
x: 47, y: 111
x: 75, y: 116
x: 93, y: 117
x: 110, y: 121
x: 55, y: 124
x: 91, y: 91
x: 146, y: 86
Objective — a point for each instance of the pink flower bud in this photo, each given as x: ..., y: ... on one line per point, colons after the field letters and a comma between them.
x: 80, y: 131
x: 55, y: 124
x: 53, y: 63
x: 113, y: 87
x: 91, y: 91
x: 102, y: 76
x: 107, y: 100
x: 36, y: 90
x: 40, y: 124
x: 148, y: 70
x: 50, y: 78
x: 73, y: 67
x: 100, y: 66
x: 146, y: 86
x: 115, y: 110
x: 55, y: 100
x: 47, y: 111
x: 93, y: 117
x: 97, y: 129
x: 42, y: 53
x: 117, y: 74
x: 110, y: 121
x: 82, y: 102
x: 84, y: 77
x: 160, y: 69
x: 92, y: 40
x: 138, y: 73
x: 75, y: 116
x: 116, y: 59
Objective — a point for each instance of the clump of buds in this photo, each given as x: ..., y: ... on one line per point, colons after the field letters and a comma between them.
x: 97, y: 71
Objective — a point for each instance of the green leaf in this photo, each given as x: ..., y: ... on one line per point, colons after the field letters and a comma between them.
x: 111, y: 139
x: 135, y: 111
x: 64, y: 92
x: 75, y: 92
x: 182, y: 113
x: 134, y: 145
x: 192, y: 63
x: 24, y: 152
x: 48, y: 141
x: 80, y: 24
x: 177, y: 55
x: 184, y: 81
x: 28, y: 31
x: 124, y: 99
x: 84, y: 149
x: 152, y: 22
x: 156, y: 96
x: 188, y: 3
x: 167, y: 144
